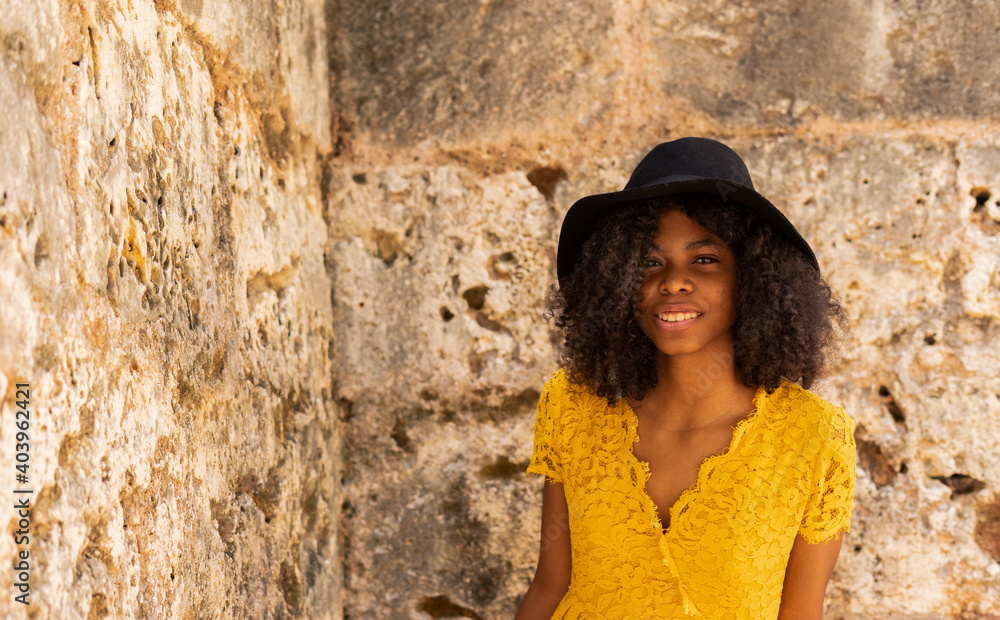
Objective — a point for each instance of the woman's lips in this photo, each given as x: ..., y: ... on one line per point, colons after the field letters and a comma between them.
x: 676, y: 320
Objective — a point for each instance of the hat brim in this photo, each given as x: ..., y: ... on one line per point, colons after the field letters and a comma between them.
x: 581, y: 219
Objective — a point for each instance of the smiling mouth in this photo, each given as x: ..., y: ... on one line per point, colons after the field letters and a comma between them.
x: 675, y: 317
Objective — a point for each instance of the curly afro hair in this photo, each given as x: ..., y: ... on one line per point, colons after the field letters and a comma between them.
x: 786, y: 312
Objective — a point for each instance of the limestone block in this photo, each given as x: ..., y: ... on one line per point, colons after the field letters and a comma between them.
x: 782, y: 62
x: 415, y: 71
x: 418, y: 74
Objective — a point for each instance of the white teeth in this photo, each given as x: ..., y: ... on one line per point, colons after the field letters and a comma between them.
x: 673, y: 317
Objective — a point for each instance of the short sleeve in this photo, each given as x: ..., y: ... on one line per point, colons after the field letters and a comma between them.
x: 828, y: 509
x: 545, y: 457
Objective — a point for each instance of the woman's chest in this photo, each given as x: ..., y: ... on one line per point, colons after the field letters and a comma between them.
x: 674, y: 460
x: 744, y: 489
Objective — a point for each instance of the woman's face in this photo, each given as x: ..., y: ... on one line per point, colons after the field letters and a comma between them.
x: 688, y: 290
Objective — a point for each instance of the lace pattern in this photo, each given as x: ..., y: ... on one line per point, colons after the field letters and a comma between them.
x: 789, y: 470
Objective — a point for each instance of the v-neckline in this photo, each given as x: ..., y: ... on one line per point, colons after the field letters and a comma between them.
x: 692, y: 491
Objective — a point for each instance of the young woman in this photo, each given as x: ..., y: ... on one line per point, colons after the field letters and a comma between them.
x: 689, y: 473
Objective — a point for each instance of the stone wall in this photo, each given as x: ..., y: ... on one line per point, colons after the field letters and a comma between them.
x: 275, y: 270
x: 474, y: 127
x: 165, y: 295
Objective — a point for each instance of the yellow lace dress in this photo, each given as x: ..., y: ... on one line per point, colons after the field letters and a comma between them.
x: 789, y: 470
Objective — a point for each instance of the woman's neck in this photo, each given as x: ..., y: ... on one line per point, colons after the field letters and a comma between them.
x: 698, y: 390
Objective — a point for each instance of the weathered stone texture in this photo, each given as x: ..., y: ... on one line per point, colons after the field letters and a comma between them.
x: 456, y: 74
x: 439, y: 348
x: 784, y: 62
x: 454, y: 265
x: 897, y: 230
x: 164, y: 293
x: 411, y: 71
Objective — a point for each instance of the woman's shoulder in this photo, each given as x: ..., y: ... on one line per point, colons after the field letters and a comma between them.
x: 558, y: 381
x: 804, y: 409
x: 561, y: 390
x: 561, y: 382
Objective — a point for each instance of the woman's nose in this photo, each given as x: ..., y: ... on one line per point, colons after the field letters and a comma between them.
x: 674, y: 281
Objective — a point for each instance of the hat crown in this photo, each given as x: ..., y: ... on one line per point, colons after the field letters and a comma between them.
x: 690, y: 158
x: 684, y: 166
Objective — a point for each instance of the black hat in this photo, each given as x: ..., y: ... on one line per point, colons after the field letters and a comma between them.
x: 684, y: 166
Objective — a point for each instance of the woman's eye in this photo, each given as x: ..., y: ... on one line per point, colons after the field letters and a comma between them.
x: 650, y: 262
x: 706, y: 260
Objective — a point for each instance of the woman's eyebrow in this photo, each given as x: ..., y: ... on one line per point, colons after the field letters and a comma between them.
x: 701, y: 243
x: 694, y: 245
